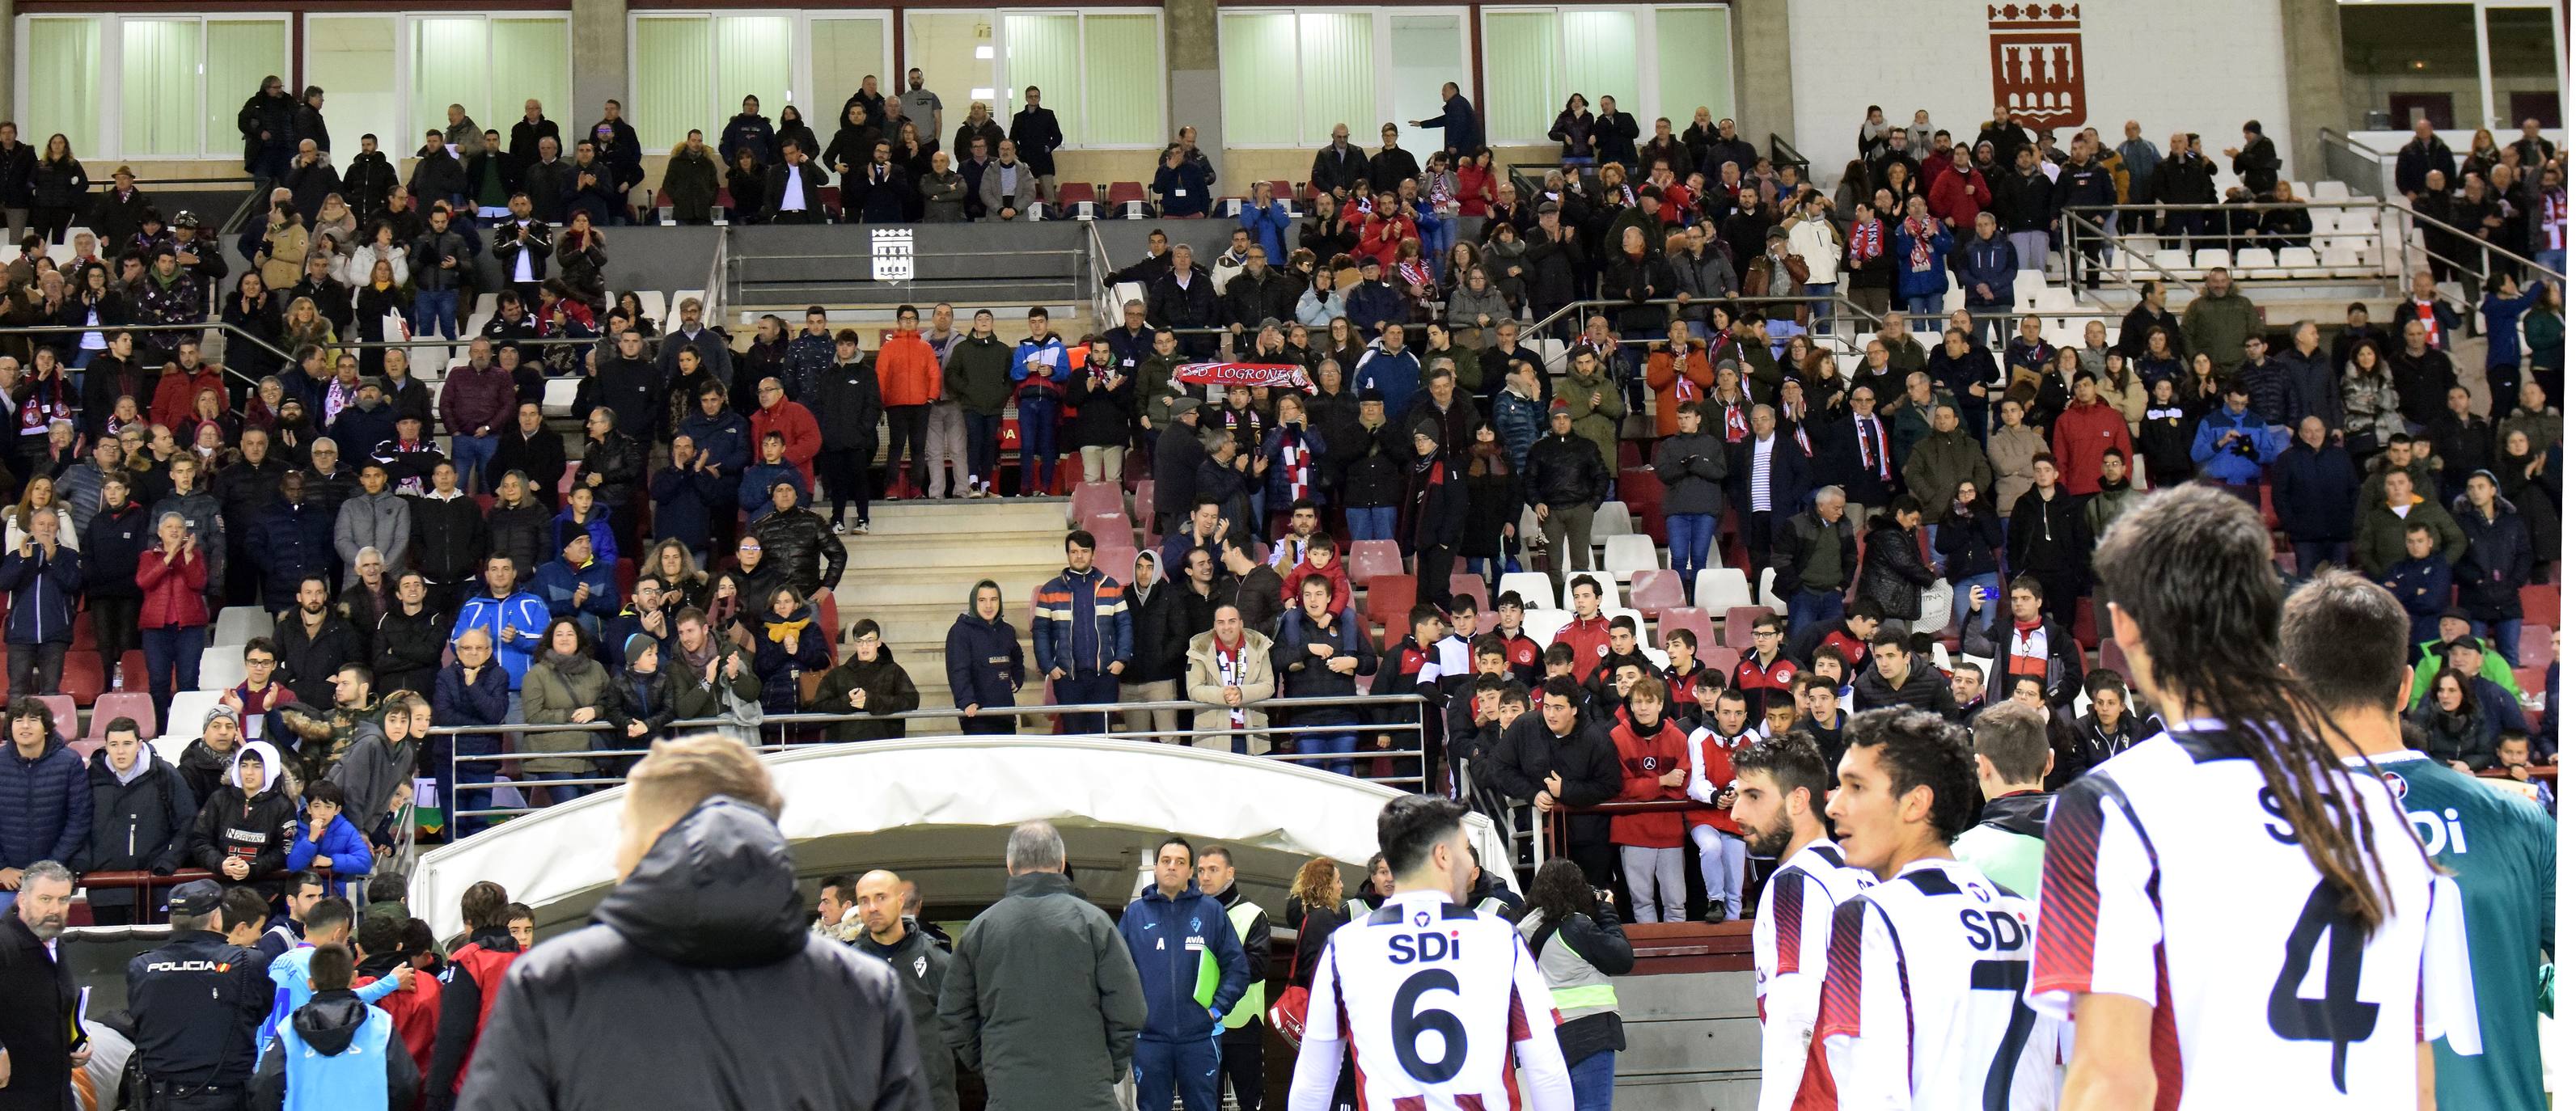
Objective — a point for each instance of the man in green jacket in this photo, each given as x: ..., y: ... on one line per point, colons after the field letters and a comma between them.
x: 2434, y: 655
x: 1943, y: 460
x: 1043, y: 997
x: 2382, y: 537
x: 1593, y: 401
x: 2218, y: 322
x: 978, y: 376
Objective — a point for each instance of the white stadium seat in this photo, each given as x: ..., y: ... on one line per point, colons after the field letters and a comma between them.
x: 2209, y: 258
x: 1537, y: 590
x: 1720, y: 589
x: 2330, y: 191
x: 1627, y: 554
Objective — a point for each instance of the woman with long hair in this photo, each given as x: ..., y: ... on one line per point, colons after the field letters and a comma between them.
x: 2164, y: 436
x: 59, y: 185
x: 678, y: 569
x: 38, y: 496
x: 1573, y: 130
x: 2456, y: 729
x: 1578, y: 944
x: 1314, y: 912
x: 787, y: 643
x: 1493, y: 511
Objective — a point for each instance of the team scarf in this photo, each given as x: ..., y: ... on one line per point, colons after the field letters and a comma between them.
x: 1685, y: 391
x: 1868, y: 241
x: 1736, y: 425
x: 1919, y: 257
x: 1296, y: 461
x: 1256, y: 375
x: 1873, y: 445
x: 1228, y: 666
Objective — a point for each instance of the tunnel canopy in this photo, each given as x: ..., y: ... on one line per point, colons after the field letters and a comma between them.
x: 937, y: 810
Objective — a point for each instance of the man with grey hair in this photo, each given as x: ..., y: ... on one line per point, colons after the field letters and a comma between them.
x: 1817, y: 557
x: 1043, y: 997
x: 39, y: 1045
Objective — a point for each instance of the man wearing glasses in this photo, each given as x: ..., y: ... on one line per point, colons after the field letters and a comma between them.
x: 1766, y: 666
x: 259, y: 695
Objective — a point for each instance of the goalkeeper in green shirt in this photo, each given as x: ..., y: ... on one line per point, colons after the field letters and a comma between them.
x: 2346, y: 638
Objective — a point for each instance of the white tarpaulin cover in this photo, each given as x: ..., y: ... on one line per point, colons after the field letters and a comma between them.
x: 935, y: 804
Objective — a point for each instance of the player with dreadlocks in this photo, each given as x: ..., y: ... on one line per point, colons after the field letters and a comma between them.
x: 2229, y: 915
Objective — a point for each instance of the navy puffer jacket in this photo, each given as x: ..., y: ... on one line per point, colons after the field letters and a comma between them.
x: 44, y: 805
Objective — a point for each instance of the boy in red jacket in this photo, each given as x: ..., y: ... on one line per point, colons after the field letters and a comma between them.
x: 1725, y: 725
x: 414, y: 1009
x: 1654, y: 765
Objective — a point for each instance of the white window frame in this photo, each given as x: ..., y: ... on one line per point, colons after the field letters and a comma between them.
x: 111, y: 60
x: 1650, y: 85
x: 404, y: 32
x: 1364, y: 134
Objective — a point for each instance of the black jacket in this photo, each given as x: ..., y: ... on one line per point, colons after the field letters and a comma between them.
x: 712, y: 915
x: 847, y: 403
x: 1170, y: 304
x: 1162, y: 637
x: 1924, y: 689
x: 890, y: 691
x: 1340, y: 168
x: 1519, y: 764
x: 1893, y: 572
x: 136, y: 826
x: 618, y: 460
x: 406, y: 649
x: 449, y: 538
x: 196, y: 1002
x: 2048, y: 534
x: 802, y: 543
x: 1565, y: 471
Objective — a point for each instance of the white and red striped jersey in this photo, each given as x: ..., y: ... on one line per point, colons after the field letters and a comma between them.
x: 2172, y: 877
x: 1436, y: 1002
x: 1922, y: 1006
x: 1790, y: 929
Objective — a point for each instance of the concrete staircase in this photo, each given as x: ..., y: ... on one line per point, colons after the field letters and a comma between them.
x: 912, y: 573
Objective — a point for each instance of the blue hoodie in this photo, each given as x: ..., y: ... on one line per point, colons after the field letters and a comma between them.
x: 2230, y: 466
x: 522, y: 611
x: 336, y: 1053
x: 350, y: 854
x: 292, y: 972
x: 1189, y: 960
x: 557, y: 581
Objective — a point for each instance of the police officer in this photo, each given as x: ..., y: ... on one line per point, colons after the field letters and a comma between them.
x: 195, y: 1002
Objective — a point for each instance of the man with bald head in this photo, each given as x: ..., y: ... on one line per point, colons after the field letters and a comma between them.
x: 919, y: 963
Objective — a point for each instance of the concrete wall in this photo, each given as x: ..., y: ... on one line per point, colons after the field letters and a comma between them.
x: 2179, y: 65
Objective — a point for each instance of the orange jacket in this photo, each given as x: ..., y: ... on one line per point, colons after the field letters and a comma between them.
x: 1665, y: 380
x: 907, y: 370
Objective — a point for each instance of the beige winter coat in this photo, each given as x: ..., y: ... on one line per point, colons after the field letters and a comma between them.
x: 1204, y: 687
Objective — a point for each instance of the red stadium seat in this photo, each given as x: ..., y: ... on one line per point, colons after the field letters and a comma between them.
x: 1739, y: 625
x: 66, y: 715
x: 625, y: 577
x: 1280, y: 190
x: 1117, y: 557
x: 1109, y: 527
x: 84, y: 677
x: 2540, y: 604
x: 122, y: 704
x: 1676, y: 618
x: 87, y: 747
x: 1721, y: 658
x: 2535, y: 645
x: 1372, y: 558
x: 1074, y: 199
x: 1473, y: 585
x: 1127, y: 199
x: 1390, y: 598
x: 1091, y: 499
x: 827, y: 617
x: 1653, y: 592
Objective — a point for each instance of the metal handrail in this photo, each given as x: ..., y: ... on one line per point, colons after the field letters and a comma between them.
x: 1178, y: 734
x: 230, y: 332
x: 2407, y: 220
x: 1784, y: 154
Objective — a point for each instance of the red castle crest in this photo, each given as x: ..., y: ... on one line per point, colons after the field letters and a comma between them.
x: 2038, y: 55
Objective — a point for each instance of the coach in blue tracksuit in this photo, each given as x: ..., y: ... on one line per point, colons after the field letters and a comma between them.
x: 1194, y: 971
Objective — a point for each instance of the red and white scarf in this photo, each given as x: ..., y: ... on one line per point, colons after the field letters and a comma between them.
x: 1228, y: 674
x: 1920, y: 230
x: 1868, y: 241
x: 1296, y: 461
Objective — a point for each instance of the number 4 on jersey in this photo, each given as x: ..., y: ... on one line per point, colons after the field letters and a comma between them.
x: 2340, y: 1017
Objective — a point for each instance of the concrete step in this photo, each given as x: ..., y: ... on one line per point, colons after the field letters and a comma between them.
x: 903, y: 551
x: 962, y: 518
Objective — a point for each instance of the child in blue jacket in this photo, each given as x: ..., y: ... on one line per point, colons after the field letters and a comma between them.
x: 2421, y: 582
x: 329, y: 840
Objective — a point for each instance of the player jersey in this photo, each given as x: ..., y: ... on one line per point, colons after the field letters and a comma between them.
x: 2263, y: 995
x: 1922, y: 1006
x: 1790, y: 929
x: 2502, y: 851
x: 1434, y: 1000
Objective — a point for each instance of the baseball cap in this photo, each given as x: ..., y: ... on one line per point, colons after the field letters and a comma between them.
x: 196, y: 898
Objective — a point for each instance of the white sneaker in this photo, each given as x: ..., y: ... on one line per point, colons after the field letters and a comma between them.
x: 863, y: 528
x: 838, y: 528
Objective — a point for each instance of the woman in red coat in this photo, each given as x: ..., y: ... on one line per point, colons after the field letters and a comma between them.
x: 2088, y: 427
x: 173, y: 577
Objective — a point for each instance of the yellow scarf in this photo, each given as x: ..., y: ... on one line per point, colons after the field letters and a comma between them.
x: 787, y: 632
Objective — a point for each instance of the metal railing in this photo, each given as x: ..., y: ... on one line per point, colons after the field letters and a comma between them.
x: 2360, y: 168
x: 792, y: 731
x: 719, y: 276
x: 1096, y: 268
x: 2398, y: 228
x: 1784, y: 154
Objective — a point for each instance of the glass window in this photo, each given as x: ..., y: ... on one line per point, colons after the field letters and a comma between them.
x: 1523, y: 70
x: 533, y: 58
x: 1253, y: 47
x: 2402, y: 61
x: 451, y: 63
x: 752, y: 53
x: 1337, y: 66
x: 352, y: 59
x: 2522, y: 68
x: 1128, y: 111
x: 960, y: 61
x: 1046, y: 51
x: 158, y: 84
x: 62, y: 83
x: 1426, y: 50
x: 240, y: 53
x: 1694, y: 65
x: 842, y: 52
x: 674, y: 91
x: 1601, y: 57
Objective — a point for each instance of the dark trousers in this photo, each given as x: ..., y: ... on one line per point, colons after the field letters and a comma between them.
x: 1242, y: 1067
x: 170, y: 658
x: 1431, y: 566
x: 2060, y: 593
x: 988, y: 725
x: 983, y: 446
x: 845, y: 470
x: 1757, y: 542
x: 1190, y: 1067
x: 1078, y: 688
x: 909, y: 423
x: 36, y: 668
x: 112, y: 623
